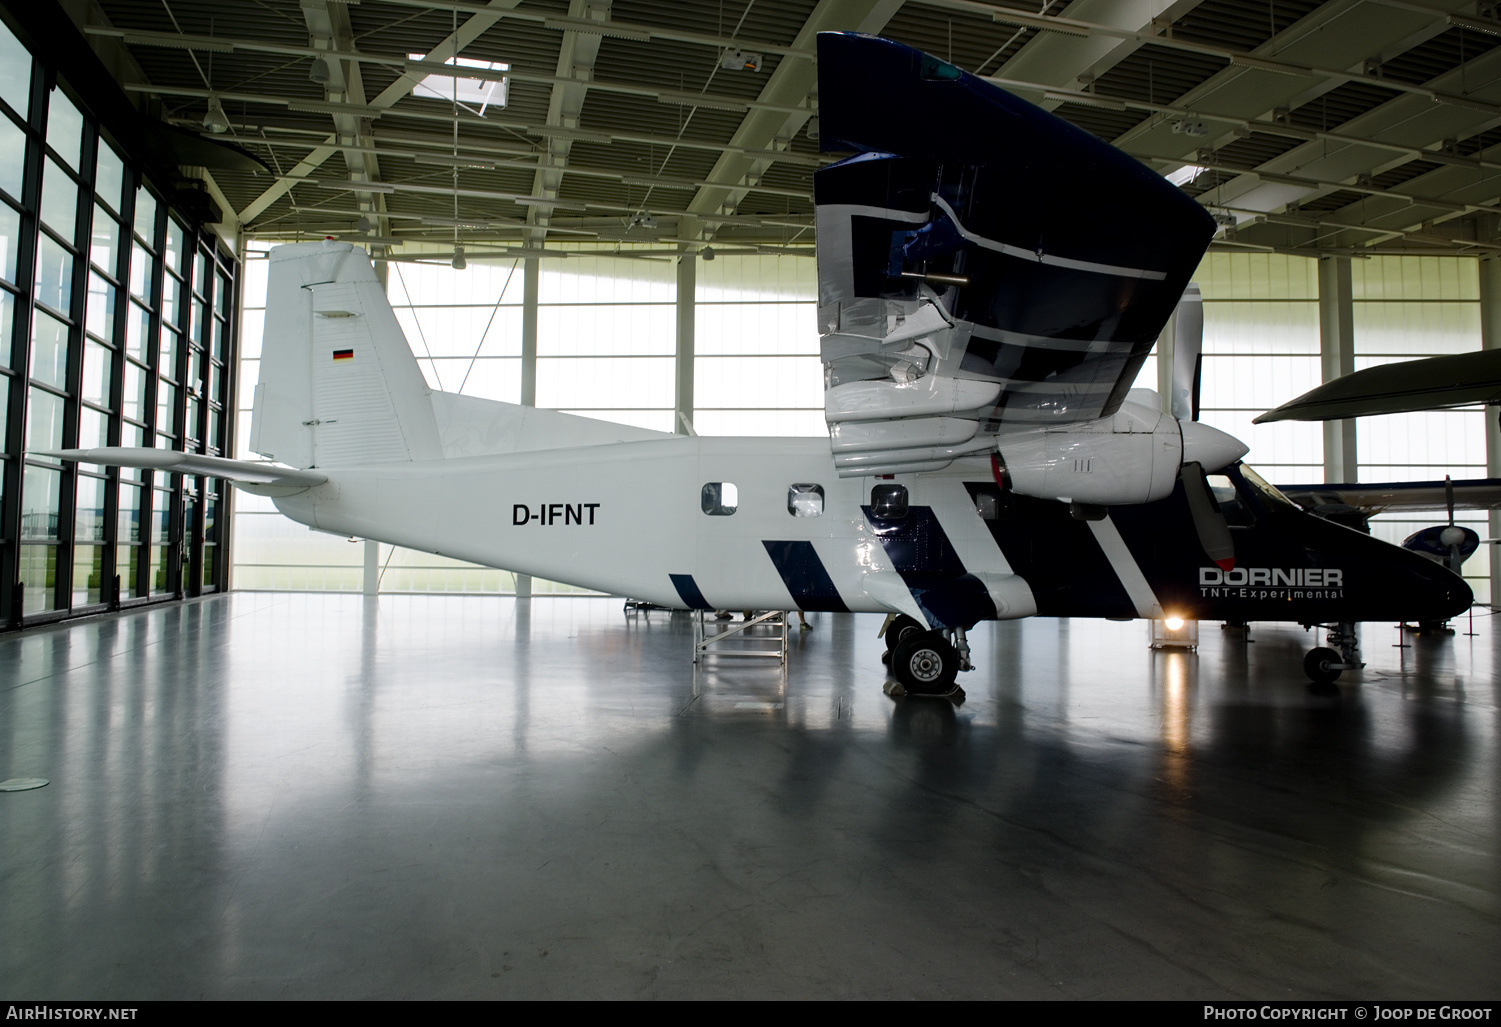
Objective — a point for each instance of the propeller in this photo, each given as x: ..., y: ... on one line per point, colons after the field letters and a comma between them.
x: 1453, y: 537
x: 1183, y: 401
x: 1188, y: 362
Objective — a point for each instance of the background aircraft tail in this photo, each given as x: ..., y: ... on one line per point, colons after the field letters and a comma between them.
x: 338, y: 382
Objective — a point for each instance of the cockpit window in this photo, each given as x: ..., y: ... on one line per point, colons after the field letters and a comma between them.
x: 805, y: 500
x: 719, y: 498
x: 1268, y: 492
x: 1237, y: 514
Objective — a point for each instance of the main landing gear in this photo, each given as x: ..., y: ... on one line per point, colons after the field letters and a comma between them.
x: 924, y: 662
x: 1323, y: 664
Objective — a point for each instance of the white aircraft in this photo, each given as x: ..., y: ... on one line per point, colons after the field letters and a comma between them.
x: 982, y: 320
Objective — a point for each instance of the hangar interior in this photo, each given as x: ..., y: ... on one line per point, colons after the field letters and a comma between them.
x: 286, y: 763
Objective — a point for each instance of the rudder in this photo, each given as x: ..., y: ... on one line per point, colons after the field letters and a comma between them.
x: 338, y: 382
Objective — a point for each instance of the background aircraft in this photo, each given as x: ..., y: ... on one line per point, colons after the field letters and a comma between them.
x: 981, y: 327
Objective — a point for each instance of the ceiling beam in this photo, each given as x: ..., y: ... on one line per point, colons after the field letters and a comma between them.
x: 470, y: 30
x: 577, y: 52
x: 792, y: 84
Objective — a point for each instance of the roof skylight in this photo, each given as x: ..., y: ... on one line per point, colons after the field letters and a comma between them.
x: 472, y: 92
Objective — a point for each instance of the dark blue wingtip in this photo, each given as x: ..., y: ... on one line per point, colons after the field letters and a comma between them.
x: 878, y: 96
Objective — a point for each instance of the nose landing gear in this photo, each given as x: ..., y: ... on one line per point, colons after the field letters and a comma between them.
x: 1323, y: 665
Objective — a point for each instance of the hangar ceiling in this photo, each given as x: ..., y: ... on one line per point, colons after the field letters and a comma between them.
x: 1348, y: 126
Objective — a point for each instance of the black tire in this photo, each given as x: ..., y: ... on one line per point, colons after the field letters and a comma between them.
x: 925, y: 663
x: 900, y: 628
x: 1316, y: 665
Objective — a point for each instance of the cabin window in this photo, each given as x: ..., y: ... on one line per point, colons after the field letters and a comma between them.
x: 719, y: 498
x: 1237, y: 514
x: 805, y: 500
x: 888, y: 501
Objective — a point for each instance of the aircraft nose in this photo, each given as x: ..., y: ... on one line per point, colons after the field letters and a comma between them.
x: 1209, y: 447
x: 1439, y: 592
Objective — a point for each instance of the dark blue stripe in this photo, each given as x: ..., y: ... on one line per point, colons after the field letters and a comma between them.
x: 925, y: 558
x: 688, y: 592
x: 804, y: 575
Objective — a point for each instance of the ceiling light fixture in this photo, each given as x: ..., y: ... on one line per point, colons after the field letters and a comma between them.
x: 216, y: 121
x: 320, y: 72
x: 459, y: 263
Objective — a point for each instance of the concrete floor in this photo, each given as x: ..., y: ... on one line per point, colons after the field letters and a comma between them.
x: 306, y: 796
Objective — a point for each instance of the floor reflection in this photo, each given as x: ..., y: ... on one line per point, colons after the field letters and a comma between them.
x: 329, y: 796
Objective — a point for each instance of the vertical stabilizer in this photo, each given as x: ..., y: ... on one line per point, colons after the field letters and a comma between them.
x: 339, y: 384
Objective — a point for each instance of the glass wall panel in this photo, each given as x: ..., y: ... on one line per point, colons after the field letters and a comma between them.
x: 127, y: 568
x: 157, y: 569
x: 64, y: 127
x: 137, y: 331
x: 41, y: 502
x: 99, y: 312
x: 12, y: 156
x: 175, y: 252
x: 49, y: 350
x: 10, y: 240
x: 7, y: 324
x: 59, y: 200
x: 109, y: 176
x: 142, y: 269
x: 93, y: 428
x: 44, y: 420
x: 1407, y: 308
x: 104, y: 242
x: 54, y: 274
x: 88, y: 575
x: 145, y: 220
x: 166, y: 363
x: 757, y: 370
x: 15, y: 73
x: 89, y: 506
x: 133, y: 404
x: 1261, y: 348
x: 38, y: 579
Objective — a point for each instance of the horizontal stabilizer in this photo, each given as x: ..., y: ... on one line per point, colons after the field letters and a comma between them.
x: 1432, y: 383
x: 241, y: 472
x: 1373, y: 498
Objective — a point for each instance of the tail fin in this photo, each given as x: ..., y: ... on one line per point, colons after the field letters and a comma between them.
x: 339, y: 384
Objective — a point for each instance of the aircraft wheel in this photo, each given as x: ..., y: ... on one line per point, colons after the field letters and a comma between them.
x: 1317, y: 665
x: 900, y: 628
x: 925, y: 663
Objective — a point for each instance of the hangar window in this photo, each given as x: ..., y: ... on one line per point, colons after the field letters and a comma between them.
x: 719, y: 498
x: 888, y: 501
x: 805, y: 500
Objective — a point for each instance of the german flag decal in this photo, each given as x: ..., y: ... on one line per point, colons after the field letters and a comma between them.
x: 343, y: 354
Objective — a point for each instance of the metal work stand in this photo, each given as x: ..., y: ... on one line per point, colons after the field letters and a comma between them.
x: 734, y: 640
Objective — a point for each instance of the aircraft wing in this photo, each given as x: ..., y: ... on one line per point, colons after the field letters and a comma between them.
x: 251, y: 475
x: 982, y: 264
x: 1428, y: 384
x: 1469, y: 494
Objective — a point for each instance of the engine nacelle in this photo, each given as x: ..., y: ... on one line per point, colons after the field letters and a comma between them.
x: 1131, y: 457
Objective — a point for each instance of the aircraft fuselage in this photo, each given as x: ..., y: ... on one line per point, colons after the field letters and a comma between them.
x: 630, y: 519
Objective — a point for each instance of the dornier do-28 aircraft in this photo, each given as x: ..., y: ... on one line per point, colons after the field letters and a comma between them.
x: 991, y: 280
